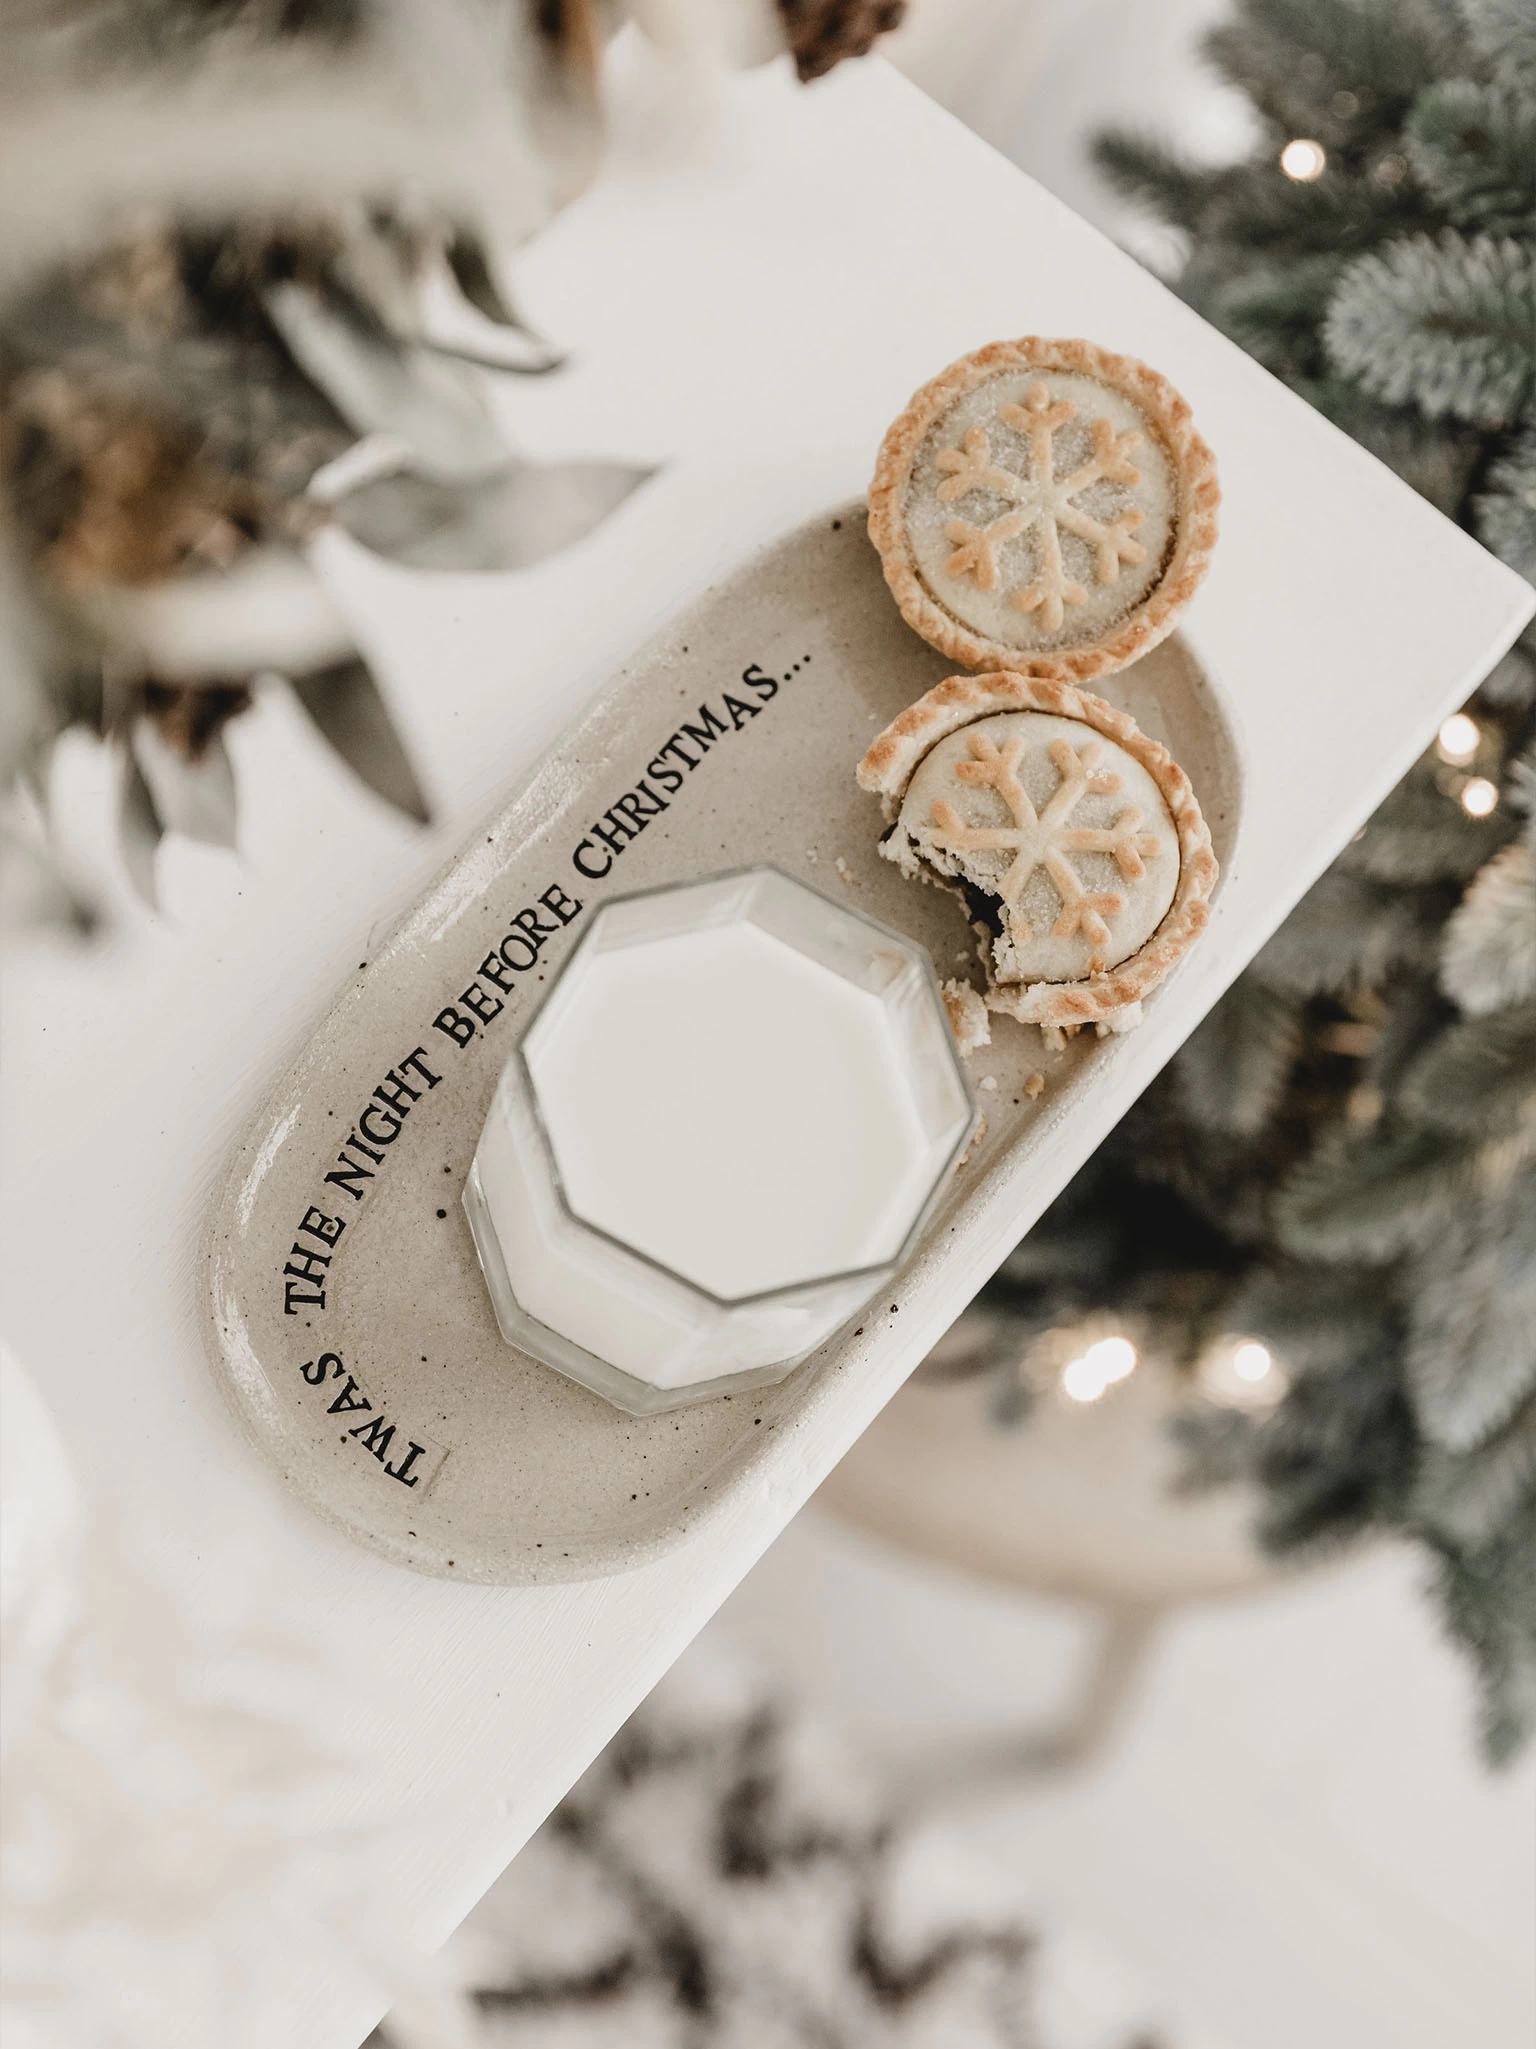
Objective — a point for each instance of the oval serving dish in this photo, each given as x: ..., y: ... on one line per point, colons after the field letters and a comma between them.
x: 346, y: 1316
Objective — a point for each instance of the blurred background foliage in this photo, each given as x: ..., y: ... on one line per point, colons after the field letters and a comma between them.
x: 1343, y: 1157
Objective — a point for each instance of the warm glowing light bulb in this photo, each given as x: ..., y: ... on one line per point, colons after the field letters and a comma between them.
x: 1241, y: 1373
x: 1479, y: 796
x: 1112, y: 1359
x: 1252, y: 1361
x: 1105, y: 1361
x: 1459, y: 737
x: 1303, y: 160
x: 1082, y: 1381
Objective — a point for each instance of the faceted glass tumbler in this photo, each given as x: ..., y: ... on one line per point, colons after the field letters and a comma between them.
x: 720, y: 1134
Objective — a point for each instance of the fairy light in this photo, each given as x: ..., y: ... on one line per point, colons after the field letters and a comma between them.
x: 1479, y: 796
x: 1252, y: 1361
x: 1081, y: 1382
x: 1242, y: 1373
x: 1106, y: 1361
x: 1303, y: 160
x: 1459, y: 738
x: 1114, y: 1358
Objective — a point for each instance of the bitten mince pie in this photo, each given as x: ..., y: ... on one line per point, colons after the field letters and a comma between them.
x: 1044, y: 506
x: 1073, y: 839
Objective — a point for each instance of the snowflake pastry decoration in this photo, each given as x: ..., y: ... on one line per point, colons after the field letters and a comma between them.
x: 1045, y: 838
x: 1044, y: 501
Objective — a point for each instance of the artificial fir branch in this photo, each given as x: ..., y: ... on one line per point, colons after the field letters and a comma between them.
x: 1444, y: 324
x: 1344, y: 1155
x: 1473, y: 149
x: 1503, y: 33
x: 1505, y: 514
x: 1468, y: 1370
x: 1488, y: 956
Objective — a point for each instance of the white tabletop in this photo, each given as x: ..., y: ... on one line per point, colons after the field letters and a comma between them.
x: 751, y: 318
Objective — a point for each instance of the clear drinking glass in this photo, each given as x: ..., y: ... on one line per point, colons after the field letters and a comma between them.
x: 720, y: 1134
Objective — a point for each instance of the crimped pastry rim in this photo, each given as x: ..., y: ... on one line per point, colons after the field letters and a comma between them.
x: 892, y: 761
x: 1198, y: 495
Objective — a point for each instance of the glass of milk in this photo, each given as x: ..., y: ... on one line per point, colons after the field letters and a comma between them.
x: 721, y: 1133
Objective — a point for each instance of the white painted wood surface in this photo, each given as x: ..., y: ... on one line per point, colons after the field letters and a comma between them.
x: 751, y: 313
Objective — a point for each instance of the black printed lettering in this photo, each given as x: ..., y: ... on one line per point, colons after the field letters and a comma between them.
x: 309, y: 1267
x: 344, y: 1402
x: 484, y: 1005
x: 375, y: 1435
x: 525, y: 950
x: 402, y: 1472
x: 417, y: 1063
x: 559, y: 905
x: 615, y: 833
x: 387, y: 1137
x: 711, y: 728
x: 397, y: 1093
x: 629, y: 807
x: 675, y: 746
x: 533, y: 927
x: 349, y: 1176
x: 584, y: 868
x: 326, y: 1229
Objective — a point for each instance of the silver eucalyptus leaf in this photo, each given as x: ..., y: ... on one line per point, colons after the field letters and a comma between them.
x: 139, y: 830
x: 474, y: 277
x: 345, y: 704
x: 382, y: 385
x: 268, y: 610
x: 193, y: 797
x: 504, y: 522
x: 377, y: 260
x: 506, y: 355
x: 34, y: 891
x: 523, y: 352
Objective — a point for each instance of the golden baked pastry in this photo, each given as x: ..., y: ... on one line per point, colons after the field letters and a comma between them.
x: 1074, y: 840
x: 1044, y: 506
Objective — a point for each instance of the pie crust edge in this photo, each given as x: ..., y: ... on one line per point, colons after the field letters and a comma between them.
x: 958, y: 701
x: 1198, y: 495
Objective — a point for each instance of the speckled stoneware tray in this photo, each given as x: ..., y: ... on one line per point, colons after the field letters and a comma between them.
x: 347, y: 1319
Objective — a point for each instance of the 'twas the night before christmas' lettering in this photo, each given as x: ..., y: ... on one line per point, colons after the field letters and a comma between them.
x: 417, y: 1459
x: 483, y: 1000
x: 669, y: 768
x: 519, y: 949
x: 380, y: 1122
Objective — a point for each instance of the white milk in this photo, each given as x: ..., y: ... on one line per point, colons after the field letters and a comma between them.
x: 732, y: 1109
x: 737, y: 1113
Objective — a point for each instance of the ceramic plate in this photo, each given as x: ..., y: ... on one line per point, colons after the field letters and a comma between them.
x: 347, y: 1319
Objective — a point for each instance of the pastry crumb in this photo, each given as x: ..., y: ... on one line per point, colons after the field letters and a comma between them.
x: 1125, y: 1019
x: 1055, y: 1038
x: 844, y: 872
x: 975, y: 1140
x: 987, y: 1082
x: 967, y: 1015
x: 1033, y: 1084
